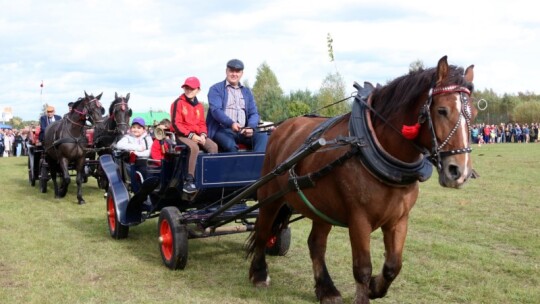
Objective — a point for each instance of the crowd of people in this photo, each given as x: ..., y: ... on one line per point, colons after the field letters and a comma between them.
x: 14, y: 142
x: 504, y: 133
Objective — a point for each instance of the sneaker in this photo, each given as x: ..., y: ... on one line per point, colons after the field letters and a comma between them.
x: 189, y: 187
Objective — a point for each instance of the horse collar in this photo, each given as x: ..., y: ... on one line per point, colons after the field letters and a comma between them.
x: 375, y: 159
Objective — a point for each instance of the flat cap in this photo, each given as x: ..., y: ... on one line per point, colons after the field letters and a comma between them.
x: 235, y: 64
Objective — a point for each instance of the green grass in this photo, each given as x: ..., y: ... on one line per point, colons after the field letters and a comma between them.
x: 480, y: 244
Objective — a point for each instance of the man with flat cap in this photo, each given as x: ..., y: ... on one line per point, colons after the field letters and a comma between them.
x: 232, y: 115
x: 46, y: 120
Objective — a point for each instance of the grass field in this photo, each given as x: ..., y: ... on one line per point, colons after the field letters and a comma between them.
x: 480, y: 244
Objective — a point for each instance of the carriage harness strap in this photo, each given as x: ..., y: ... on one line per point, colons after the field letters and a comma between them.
x: 378, y: 162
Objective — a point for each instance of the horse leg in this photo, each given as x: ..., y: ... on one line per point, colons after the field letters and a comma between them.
x: 360, y: 236
x: 325, y: 290
x: 52, y: 171
x: 80, y: 178
x: 258, y: 271
x: 65, y: 177
x: 394, y: 241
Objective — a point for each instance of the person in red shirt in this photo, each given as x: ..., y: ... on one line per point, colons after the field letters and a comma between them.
x: 160, y: 146
x: 189, y: 125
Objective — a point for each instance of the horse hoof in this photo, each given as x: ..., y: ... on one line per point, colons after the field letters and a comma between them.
x: 262, y: 284
x: 82, y: 202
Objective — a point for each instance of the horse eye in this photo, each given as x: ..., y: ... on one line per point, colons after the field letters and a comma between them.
x: 442, y: 111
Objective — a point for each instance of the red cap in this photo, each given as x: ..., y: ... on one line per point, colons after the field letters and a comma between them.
x: 192, y: 82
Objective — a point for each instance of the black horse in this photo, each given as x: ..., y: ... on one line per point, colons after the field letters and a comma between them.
x: 108, y: 132
x: 114, y: 126
x: 65, y: 142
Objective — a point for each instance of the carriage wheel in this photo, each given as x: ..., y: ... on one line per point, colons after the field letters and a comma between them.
x: 173, y: 239
x: 43, y: 177
x: 279, y: 244
x: 31, y: 177
x: 116, y: 229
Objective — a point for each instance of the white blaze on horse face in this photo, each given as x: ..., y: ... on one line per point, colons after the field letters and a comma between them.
x: 464, y: 133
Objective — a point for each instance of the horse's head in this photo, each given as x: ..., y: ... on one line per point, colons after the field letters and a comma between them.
x: 93, y: 108
x: 446, y: 117
x: 120, y: 113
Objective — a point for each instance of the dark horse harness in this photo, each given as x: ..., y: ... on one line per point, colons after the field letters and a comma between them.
x: 378, y: 162
x: 80, y: 140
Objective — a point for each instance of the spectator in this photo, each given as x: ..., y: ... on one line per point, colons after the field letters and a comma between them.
x: 17, y: 143
x: 233, y: 115
x: 8, y: 142
x: 189, y: 125
x: 1, y: 143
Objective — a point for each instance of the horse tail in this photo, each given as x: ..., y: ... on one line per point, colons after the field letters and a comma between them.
x: 280, y: 222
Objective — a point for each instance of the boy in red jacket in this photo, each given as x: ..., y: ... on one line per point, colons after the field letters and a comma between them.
x: 189, y: 125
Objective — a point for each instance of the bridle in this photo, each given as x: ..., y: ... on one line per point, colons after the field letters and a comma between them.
x: 436, y: 153
x: 123, y: 107
x: 98, y: 107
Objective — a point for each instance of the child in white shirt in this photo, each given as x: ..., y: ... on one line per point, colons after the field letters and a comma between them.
x: 137, y: 140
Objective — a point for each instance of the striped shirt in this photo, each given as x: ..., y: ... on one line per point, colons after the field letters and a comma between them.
x: 236, y: 105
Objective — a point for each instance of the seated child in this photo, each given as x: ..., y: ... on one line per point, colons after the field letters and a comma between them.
x: 160, y: 146
x: 137, y: 140
x: 189, y: 125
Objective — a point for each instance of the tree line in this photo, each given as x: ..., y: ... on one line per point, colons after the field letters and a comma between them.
x: 274, y: 105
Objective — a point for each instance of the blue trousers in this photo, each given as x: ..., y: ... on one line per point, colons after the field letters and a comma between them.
x: 228, y: 140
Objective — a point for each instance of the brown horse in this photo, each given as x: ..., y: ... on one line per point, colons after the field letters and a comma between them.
x: 65, y: 141
x: 367, y: 176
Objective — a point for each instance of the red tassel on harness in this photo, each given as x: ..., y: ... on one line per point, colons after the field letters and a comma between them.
x: 410, y: 132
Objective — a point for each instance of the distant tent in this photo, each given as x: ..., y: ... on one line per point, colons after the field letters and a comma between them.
x: 151, y: 118
x: 4, y: 126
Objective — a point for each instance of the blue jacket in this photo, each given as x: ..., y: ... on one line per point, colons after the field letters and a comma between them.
x: 217, y: 100
x: 44, y: 123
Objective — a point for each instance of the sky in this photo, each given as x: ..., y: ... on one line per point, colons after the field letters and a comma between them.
x: 148, y: 48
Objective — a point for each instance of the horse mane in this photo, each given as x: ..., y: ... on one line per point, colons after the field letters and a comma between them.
x: 404, y: 91
x: 77, y: 103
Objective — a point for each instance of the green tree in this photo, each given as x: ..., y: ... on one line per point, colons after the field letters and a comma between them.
x: 268, y: 94
x: 527, y: 112
x: 332, y: 90
x: 417, y: 65
x: 299, y: 97
x: 16, y: 122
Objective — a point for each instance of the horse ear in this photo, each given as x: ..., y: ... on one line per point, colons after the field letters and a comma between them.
x: 115, y: 95
x: 99, y: 96
x: 469, y: 73
x: 127, y: 97
x: 442, y: 69
x: 85, y: 95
